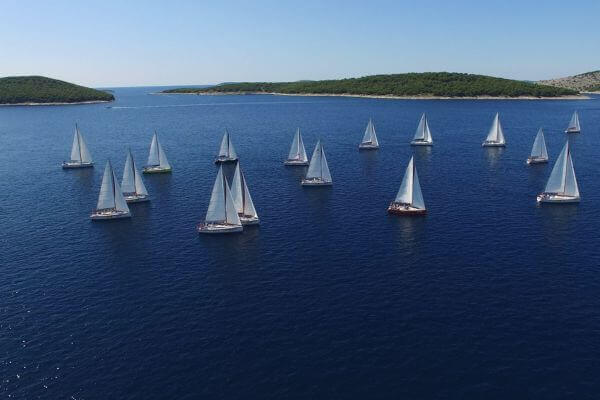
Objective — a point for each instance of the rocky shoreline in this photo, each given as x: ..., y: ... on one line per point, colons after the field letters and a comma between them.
x: 56, y: 103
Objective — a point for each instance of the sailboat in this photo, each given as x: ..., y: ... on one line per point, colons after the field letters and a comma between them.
x: 423, y: 134
x: 574, y: 124
x: 226, y: 151
x: 222, y: 216
x: 318, y: 170
x: 369, y: 140
x: 80, y: 155
x: 157, y: 159
x: 562, y: 185
x: 297, y: 155
x: 242, y: 199
x: 409, y: 200
x: 111, y: 203
x: 495, y: 137
x: 539, y: 153
x: 132, y: 184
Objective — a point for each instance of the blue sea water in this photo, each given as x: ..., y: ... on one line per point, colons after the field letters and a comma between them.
x: 488, y: 296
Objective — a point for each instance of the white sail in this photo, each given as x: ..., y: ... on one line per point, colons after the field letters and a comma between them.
x: 318, y: 167
x: 79, y: 151
x: 227, y: 149
x: 153, y: 159
x: 297, y: 150
x: 162, y: 157
x: 405, y: 193
x: 132, y: 180
x: 76, y: 149
x: 562, y: 179
x: 241, y: 195
x: 418, y: 201
x: 574, y: 123
x: 370, y: 137
x: 539, y: 146
x: 496, y: 134
x: 221, y: 207
x: 106, y: 199
x: 120, y: 203
x: 423, y: 133
x: 128, y: 181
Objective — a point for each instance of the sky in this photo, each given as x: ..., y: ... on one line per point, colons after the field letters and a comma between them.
x: 112, y: 43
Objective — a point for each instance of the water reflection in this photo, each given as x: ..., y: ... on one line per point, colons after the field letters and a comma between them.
x: 368, y: 161
x: 423, y: 152
x: 409, y: 230
x: 493, y: 155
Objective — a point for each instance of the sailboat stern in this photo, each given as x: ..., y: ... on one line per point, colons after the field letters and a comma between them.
x: 108, y: 214
x: 295, y: 162
x: 420, y: 142
x: 249, y: 219
x: 572, y: 130
x: 368, y: 146
x: 76, y: 164
x: 536, y: 160
x: 557, y: 198
x: 135, y: 198
x: 316, y: 182
x: 156, y: 169
x: 214, y: 228
x: 225, y: 159
x: 491, y: 143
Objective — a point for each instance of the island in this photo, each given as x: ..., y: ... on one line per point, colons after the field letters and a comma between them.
x: 409, y: 85
x: 588, y: 82
x: 39, y: 90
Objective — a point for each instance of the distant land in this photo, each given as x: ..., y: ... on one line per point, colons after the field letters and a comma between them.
x: 410, y: 85
x: 39, y: 90
x: 586, y: 82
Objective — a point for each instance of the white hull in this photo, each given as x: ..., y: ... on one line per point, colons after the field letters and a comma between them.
x: 572, y: 131
x: 536, y: 160
x: 104, y: 215
x: 557, y: 198
x: 492, y: 144
x: 219, y: 228
x: 315, y: 182
x: 220, y: 160
x: 405, y: 209
x: 136, y: 198
x: 248, y: 220
x: 295, y: 162
x: 368, y: 146
x: 76, y: 164
x: 156, y: 170
x: 421, y: 143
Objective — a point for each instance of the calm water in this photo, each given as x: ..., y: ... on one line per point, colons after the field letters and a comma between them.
x: 488, y: 296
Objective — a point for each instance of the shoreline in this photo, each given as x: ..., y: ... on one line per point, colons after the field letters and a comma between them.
x: 368, y: 96
x: 55, y: 103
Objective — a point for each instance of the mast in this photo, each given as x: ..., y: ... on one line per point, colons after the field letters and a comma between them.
x: 298, y: 144
x: 78, y: 142
x: 321, y: 159
x: 225, y: 196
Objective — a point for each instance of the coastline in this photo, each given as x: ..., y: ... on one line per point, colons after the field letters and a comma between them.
x: 55, y: 103
x: 569, y: 97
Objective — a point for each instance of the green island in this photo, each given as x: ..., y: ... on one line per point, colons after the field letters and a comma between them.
x: 427, y: 84
x: 42, y: 90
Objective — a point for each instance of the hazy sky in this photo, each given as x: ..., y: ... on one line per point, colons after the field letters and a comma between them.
x: 130, y: 42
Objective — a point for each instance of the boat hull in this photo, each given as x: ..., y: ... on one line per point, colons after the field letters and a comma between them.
x: 367, y: 146
x: 76, y: 165
x: 572, y: 130
x: 493, y: 144
x: 249, y: 220
x: 315, y: 182
x: 536, y: 160
x: 136, y: 198
x: 156, y: 170
x: 405, y: 209
x: 557, y: 198
x: 108, y: 215
x: 225, y: 160
x: 421, y: 143
x: 212, y: 229
x: 295, y: 162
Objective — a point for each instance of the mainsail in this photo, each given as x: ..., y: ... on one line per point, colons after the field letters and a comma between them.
x: 79, y: 151
x: 423, y: 133
x: 318, y: 167
x: 370, y: 137
x: 227, y: 149
x: 221, y: 208
x: 157, y: 156
x: 562, y: 179
x: 132, y: 180
x: 410, y: 189
x: 111, y: 196
x: 241, y: 195
x: 495, y: 134
x: 574, y: 123
x: 539, y: 146
x: 297, y: 151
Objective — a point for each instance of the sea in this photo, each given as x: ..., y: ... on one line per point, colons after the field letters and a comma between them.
x: 488, y: 296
